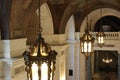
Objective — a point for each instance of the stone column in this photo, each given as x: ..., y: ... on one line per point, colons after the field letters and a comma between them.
x: 77, y: 57
x: 6, y: 48
x: 88, y: 68
x: 12, y: 48
x: 82, y: 67
x: 71, y: 49
x: 70, y: 60
x: 9, y: 49
x: 7, y: 69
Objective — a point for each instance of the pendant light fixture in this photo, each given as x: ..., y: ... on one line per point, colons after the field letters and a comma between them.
x: 100, y: 35
x: 107, y: 59
x: 40, y: 59
x: 87, y: 41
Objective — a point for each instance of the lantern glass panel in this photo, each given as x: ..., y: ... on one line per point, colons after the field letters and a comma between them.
x: 85, y: 47
x: 89, y: 47
x: 44, y: 50
x: 44, y: 71
x: 35, y: 72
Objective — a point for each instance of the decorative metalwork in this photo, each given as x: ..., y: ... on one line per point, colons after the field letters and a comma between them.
x: 87, y: 41
x: 87, y: 44
x: 40, y: 60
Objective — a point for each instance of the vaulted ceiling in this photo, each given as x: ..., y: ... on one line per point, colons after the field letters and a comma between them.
x: 18, y: 16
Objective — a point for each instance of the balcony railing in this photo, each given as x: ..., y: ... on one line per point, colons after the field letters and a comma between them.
x: 108, y: 35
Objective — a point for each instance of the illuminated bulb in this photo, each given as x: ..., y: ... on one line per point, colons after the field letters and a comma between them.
x: 35, y: 52
x: 107, y: 60
x: 34, y: 71
x: 44, y: 71
x: 43, y: 51
x: 85, y: 47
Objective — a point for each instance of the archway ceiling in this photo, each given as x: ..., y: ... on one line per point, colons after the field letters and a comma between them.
x: 61, y: 11
x: 78, y: 9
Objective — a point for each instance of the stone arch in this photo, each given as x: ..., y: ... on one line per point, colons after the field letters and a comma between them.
x: 69, y: 11
x: 95, y: 15
x: 46, y: 19
x: 70, y: 28
x: 110, y: 24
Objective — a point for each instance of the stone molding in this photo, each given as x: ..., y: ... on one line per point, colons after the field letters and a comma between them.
x: 12, y: 48
x: 55, y: 39
x: 12, y: 68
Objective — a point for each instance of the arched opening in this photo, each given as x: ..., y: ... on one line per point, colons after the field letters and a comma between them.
x: 110, y: 24
x: 104, y: 69
x: 94, y: 16
x: 46, y: 20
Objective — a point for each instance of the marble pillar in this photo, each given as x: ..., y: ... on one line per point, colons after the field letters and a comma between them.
x: 82, y: 67
x: 77, y: 56
x: 71, y: 61
x: 71, y: 49
x: 12, y: 61
x: 88, y: 68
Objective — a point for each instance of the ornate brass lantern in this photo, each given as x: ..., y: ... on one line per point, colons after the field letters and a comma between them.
x: 87, y: 41
x: 87, y: 44
x: 100, y: 38
x: 100, y: 35
x: 40, y: 59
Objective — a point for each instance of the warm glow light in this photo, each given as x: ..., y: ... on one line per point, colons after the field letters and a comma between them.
x: 100, y: 40
x: 34, y: 52
x: 62, y: 71
x: 51, y: 76
x: 85, y: 46
x: 43, y: 51
x: 34, y: 72
x: 82, y: 47
x: 44, y: 71
x: 62, y: 78
x: 107, y: 60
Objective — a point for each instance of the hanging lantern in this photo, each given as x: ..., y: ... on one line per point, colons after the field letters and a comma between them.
x: 100, y: 35
x: 87, y: 41
x: 87, y: 44
x: 40, y: 61
x: 100, y: 38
